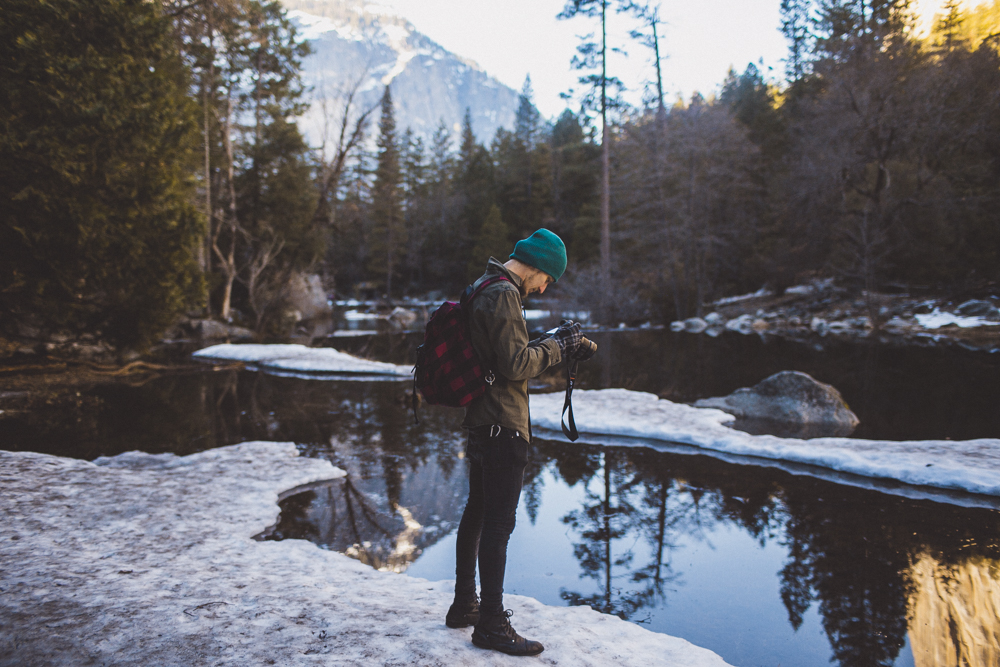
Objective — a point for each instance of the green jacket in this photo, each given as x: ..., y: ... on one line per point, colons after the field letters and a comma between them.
x: 500, y: 338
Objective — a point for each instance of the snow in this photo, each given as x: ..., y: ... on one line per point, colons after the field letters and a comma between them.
x: 939, y: 318
x: 312, y: 27
x: 970, y: 465
x: 302, y: 359
x: 532, y: 314
x: 357, y: 316
x: 762, y: 292
x: 149, y: 560
x: 402, y: 60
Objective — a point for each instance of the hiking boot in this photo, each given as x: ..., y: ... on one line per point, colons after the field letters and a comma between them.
x: 496, y: 633
x: 463, y: 613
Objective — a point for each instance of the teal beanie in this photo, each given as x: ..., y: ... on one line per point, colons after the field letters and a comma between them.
x: 543, y: 250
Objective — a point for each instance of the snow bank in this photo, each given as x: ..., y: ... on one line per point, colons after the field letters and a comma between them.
x: 971, y: 465
x: 940, y: 318
x: 149, y: 560
x: 301, y: 359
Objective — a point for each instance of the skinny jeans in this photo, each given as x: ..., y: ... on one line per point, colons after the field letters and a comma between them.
x: 496, y: 474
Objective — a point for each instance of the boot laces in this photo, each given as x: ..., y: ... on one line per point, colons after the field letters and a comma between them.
x: 505, y: 627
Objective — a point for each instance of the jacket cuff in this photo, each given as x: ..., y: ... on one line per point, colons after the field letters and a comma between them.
x: 554, y: 350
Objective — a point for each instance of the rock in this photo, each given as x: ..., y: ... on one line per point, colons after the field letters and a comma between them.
x: 305, y: 294
x: 790, y: 397
x: 240, y: 333
x: 677, y: 325
x: 979, y: 308
x: 213, y: 330
x: 210, y: 329
x: 760, y: 325
x: 714, y: 319
x: 401, y: 317
x: 819, y: 325
x: 743, y: 324
x: 695, y: 325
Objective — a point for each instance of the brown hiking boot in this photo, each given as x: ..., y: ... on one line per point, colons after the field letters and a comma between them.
x: 463, y: 613
x: 496, y: 633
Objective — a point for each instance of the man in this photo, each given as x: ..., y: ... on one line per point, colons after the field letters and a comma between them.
x: 499, y: 430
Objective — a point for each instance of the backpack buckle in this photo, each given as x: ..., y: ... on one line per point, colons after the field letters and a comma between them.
x: 490, y: 378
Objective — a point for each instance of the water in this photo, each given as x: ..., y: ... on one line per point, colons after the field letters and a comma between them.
x: 761, y: 566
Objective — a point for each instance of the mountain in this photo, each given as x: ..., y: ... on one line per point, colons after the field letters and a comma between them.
x: 352, y: 39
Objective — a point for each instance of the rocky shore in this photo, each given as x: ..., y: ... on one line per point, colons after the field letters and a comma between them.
x: 821, y: 309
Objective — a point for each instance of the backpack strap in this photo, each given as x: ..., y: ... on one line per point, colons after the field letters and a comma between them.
x: 473, y: 290
x: 468, y: 295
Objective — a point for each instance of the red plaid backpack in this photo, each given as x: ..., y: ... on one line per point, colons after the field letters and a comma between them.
x: 448, y: 370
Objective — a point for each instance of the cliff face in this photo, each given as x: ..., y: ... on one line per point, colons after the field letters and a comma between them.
x: 354, y: 40
x: 955, y: 614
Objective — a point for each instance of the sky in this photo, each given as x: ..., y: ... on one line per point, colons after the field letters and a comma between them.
x: 514, y: 38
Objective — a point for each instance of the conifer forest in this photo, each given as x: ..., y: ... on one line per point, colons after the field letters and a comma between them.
x: 152, y: 164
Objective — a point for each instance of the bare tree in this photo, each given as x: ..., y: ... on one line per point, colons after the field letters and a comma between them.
x: 343, y: 132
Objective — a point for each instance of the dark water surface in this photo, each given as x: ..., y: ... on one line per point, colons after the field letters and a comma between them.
x: 761, y: 566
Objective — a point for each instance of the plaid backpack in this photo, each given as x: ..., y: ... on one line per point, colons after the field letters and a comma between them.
x: 448, y: 370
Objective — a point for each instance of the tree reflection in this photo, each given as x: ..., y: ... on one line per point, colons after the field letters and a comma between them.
x: 631, y: 503
x: 851, y: 551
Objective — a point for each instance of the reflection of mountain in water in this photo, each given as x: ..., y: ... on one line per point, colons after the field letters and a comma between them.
x: 955, y: 613
x: 355, y: 515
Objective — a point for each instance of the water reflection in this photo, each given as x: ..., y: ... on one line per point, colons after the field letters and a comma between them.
x: 870, y: 570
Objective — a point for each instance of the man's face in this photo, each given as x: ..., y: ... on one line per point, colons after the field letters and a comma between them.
x: 537, y: 282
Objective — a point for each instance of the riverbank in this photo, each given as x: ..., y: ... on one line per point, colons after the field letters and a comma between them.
x: 145, y: 559
x: 971, y: 466
x: 819, y: 310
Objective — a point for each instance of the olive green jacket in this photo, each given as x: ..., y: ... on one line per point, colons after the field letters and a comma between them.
x: 500, y: 338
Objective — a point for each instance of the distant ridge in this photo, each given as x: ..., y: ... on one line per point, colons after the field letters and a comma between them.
x: 351, y: 38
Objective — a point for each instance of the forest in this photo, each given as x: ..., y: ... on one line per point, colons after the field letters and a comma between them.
x: 152, y: 165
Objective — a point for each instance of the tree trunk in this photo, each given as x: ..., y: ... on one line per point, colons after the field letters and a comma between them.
x: 605, y: 165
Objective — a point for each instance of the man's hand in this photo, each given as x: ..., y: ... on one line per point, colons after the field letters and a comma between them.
x: 568, y: 337
x: 584, y: 352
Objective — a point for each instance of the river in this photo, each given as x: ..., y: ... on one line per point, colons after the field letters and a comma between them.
x: 757, y: 564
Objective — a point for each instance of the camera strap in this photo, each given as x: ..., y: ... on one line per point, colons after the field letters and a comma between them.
x: 570, y: 431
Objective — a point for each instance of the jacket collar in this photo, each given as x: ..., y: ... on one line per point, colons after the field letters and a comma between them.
x: 495, y: 267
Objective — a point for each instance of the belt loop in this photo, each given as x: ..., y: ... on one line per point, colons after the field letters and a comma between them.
x: 497, y: 430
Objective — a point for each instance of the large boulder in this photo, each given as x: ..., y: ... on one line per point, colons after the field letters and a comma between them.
x: 305, y: 294
x: 788, y: 398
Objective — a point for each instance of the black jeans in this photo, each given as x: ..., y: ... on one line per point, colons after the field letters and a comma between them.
x: 497, y: 457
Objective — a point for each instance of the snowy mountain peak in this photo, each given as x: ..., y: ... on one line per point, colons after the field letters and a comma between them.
x: 355, y: 40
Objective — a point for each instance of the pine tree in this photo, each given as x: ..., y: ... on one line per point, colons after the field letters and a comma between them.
x: 98, y: 232
x: 475, y: 190
x: 795, y: 26
x: 603, y: 92
x: 388, y: 229
x: 527, y: 117
x: 493, y: 241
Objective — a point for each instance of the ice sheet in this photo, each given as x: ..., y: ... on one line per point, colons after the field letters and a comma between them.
x: 970, y: 465
x: 148, y: 560
x: 301, y: 359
